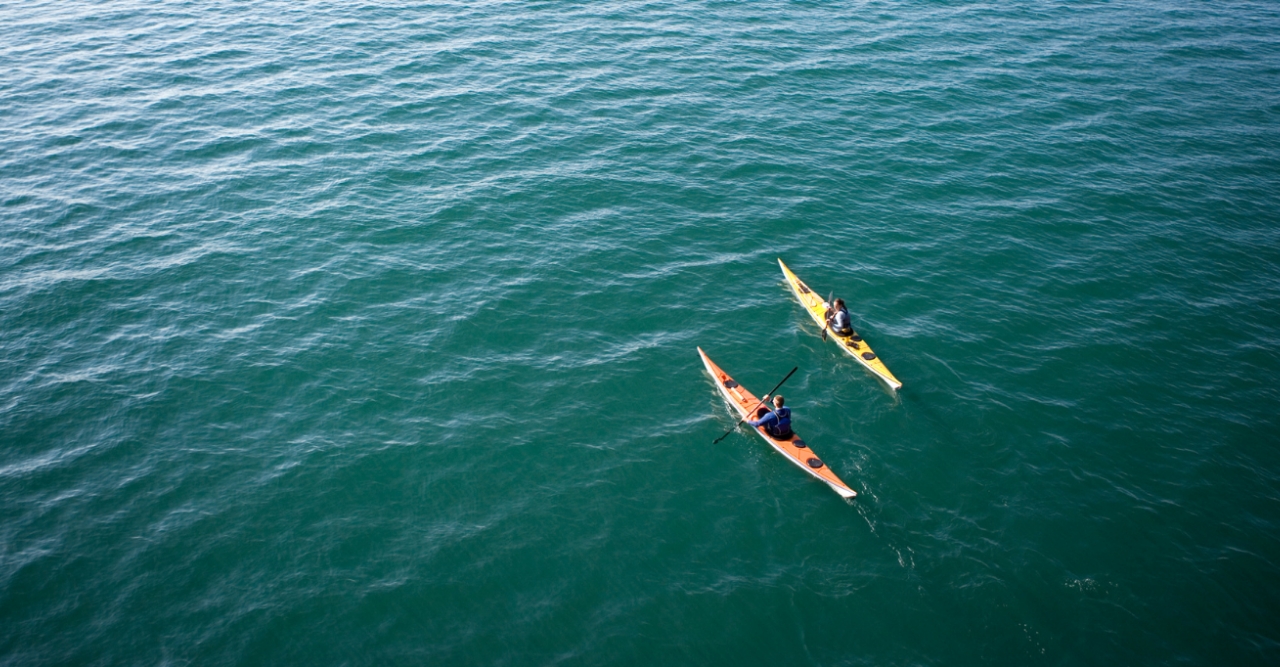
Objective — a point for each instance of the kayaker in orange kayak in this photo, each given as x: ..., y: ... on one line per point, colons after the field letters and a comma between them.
x: 776, y: 421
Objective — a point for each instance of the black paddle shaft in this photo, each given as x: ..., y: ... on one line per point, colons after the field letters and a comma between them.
x: 826, y: 317
x: 744, y: 418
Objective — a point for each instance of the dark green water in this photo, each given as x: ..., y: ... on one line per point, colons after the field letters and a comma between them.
x: 363, y: 334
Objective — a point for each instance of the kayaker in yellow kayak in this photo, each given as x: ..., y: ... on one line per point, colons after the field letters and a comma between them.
x: 776, y: 421
x: 838, y: 319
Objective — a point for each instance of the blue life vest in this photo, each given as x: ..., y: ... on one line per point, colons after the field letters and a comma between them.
x: 784, y: 419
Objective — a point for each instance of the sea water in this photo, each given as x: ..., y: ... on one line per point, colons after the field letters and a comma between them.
x: 344, y: 333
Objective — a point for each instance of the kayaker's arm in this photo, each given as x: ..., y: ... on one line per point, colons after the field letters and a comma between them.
x: 767, y: 420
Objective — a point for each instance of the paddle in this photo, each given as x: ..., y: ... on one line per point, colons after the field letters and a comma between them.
x: 752, y: 410
x: 826, y: 319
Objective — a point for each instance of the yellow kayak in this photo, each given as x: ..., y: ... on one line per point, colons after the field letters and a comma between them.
x: 853, y: 344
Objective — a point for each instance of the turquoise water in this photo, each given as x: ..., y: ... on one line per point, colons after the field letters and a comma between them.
x: 347, y: 334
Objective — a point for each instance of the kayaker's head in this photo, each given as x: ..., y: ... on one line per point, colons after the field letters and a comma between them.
x: 778, y: 401
x: 839, y: 304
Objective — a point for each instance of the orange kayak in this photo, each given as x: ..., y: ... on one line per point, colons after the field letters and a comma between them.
x: 792, y: 447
